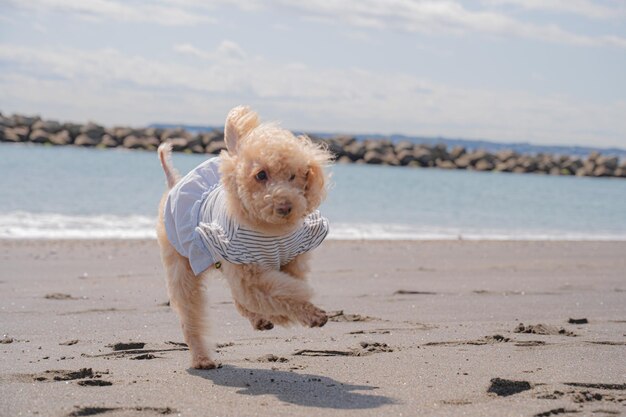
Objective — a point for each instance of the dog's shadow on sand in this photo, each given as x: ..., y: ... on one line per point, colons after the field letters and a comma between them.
x: 302, y: 389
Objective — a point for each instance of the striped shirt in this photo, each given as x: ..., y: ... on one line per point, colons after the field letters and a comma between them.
x: 200, y: 229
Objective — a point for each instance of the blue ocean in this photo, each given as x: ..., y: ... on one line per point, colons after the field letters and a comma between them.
x: 69, y: 192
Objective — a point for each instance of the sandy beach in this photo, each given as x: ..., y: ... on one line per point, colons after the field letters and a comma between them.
x: 417, y: 328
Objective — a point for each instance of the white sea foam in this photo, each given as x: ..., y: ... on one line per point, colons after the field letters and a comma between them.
x: 23, y: 225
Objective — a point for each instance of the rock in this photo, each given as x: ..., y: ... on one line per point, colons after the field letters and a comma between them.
x: 109, y: 141
x: 588, y: 167
x: 440, y: 151
x: 197, y: 148
x: 602, y: 171
x: 445, y: 164
x: 24, y: 121
x: 177, y: 133
x: 380, y: 146
x: 344, y: 160
x: 346, y: 140
x: 529, y: 164
x: 483, y: 165
x: 505, y: 155
x: 405, y: 156
x: 404, y: 145
x: 195, y: 140
x: 389, y: 158
x: 215, y: 147
x: 463, y: 162
x: 15, y: 134
x: 61, y: 138
x: 593, y: 156
x: 424, y: 157
x: 335, y: 148
x: 457, y: 152
x: 119, y: 133
x: 94, y: 131
x: 581, y: 172
x: 134, y: 142
x: 213, y: 136
x: 39, y: 136
x: 373, y: 157
x: 72, y: 128
x: 85, y: 140
x: 6, y: 121
x: 355, y: 151
x: 572, y: 165
x: 49, y: 126
x: 610, y: 163
x: 480, y: 155
x: 502, y: 167
x: 156, y: 132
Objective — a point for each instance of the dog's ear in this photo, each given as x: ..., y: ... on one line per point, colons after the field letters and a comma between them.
x: 316, y: 178
x: 239, y: 122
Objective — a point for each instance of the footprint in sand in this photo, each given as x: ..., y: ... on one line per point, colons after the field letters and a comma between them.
x: 87, y: 377
x: 364, y: 349
x: 59, y: 296
x: 92, y: 411
x: 340, y: 316
x: 543, y: 329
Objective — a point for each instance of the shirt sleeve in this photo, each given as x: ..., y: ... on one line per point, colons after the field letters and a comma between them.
x: 317, y: 229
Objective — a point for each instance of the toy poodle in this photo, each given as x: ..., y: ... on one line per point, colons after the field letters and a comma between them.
x: 251, y: 213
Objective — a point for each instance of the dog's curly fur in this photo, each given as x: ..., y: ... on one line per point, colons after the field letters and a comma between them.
x: 293, y: 185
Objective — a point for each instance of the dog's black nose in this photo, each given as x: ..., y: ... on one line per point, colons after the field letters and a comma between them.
x: 283, y: 209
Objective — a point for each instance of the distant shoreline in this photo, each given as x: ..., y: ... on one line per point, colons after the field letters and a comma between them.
x: 346, y: 149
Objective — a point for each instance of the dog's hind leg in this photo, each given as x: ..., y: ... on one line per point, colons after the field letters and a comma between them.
x: 187, y: 297
x: 274, y: 294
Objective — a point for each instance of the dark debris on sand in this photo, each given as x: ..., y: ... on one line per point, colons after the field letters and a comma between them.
x: 127, y: 346
x: 504, y: 387
x: 556, y: 411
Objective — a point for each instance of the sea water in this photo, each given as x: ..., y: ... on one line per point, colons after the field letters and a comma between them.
x: 70, y: 192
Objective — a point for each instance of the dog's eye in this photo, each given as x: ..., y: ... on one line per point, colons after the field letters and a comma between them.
x: 293, y: 177
x: 261, y: 176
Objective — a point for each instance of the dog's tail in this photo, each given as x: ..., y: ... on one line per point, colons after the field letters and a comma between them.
x: 165, y: 156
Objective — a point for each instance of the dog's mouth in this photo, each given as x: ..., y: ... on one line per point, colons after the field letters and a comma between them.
x: 283, y: 209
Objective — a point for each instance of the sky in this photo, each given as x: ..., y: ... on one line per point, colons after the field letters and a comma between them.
x: 538, y: 71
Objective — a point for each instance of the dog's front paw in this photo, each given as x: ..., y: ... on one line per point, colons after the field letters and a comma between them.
x: 262, y: 324
x: 203, y: 362
x: 314, y: 317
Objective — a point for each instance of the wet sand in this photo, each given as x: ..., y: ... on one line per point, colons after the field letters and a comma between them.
x: 417, y: 328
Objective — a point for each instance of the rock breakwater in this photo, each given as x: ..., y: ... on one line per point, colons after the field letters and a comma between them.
x: 347, y: 149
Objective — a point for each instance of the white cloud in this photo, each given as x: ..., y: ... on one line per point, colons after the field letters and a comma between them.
x: 226, y: 50
x: 115, y: 10
x: 445, y: 16
x: 119, y: 88
x: 423, y: 16
x: 231, y: 50
x: 583, y: 8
